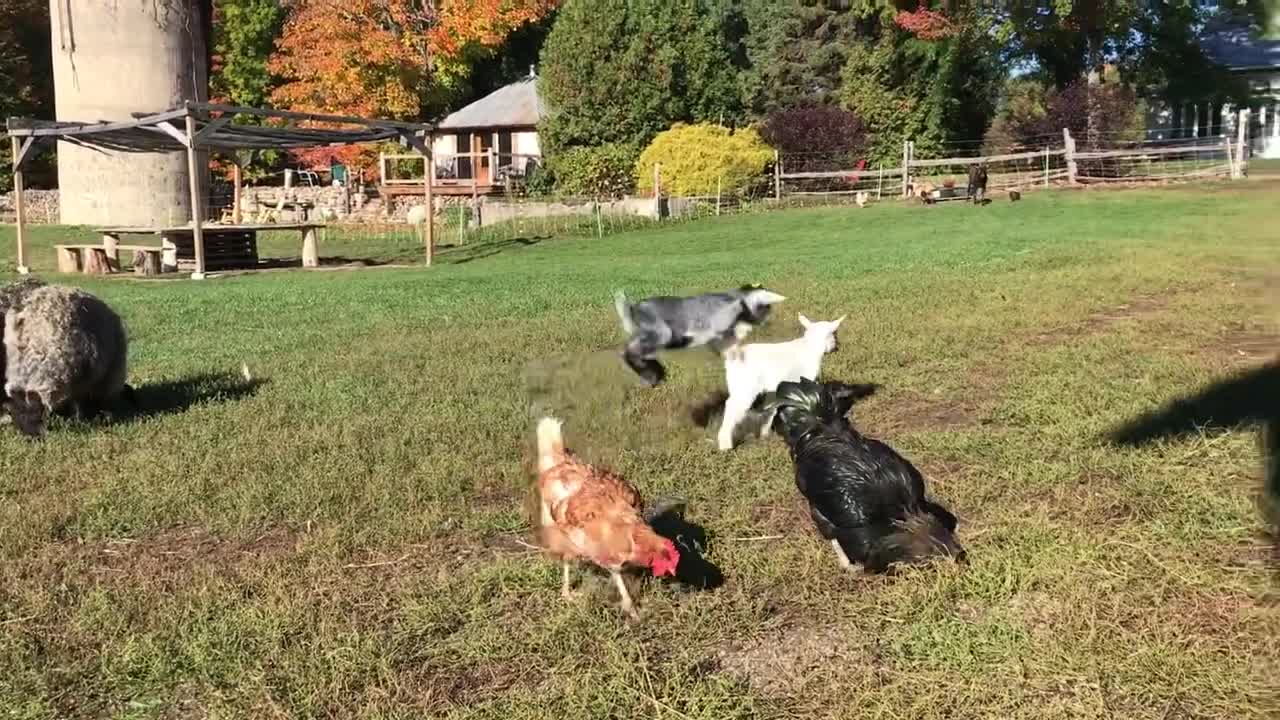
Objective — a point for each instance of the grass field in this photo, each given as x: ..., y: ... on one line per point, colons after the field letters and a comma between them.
x: 345, y: 536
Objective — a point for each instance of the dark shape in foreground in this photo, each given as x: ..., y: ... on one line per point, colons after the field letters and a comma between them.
x: 865, y: 498
x: 719, y: 320
x: 694, y: 570
x: 1247, y: 399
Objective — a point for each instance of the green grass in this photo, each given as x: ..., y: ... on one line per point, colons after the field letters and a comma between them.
x: 344, y: 540
x: 1264, y: 167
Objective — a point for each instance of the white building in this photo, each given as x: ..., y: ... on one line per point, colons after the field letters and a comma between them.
x: 490, y: 139
x: 1241, y: 52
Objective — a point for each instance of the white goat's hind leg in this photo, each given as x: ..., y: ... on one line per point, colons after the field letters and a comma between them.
x: 840, y: 556
x: 627, y: 606
x: 735, y: 409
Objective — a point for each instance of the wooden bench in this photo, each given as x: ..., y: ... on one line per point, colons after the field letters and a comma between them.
x: 105, y: 259
x: 226, y: 247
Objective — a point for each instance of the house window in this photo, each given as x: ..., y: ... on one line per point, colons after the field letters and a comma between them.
x: 462, y: 162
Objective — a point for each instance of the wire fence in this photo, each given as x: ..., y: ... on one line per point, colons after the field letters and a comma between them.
x: 471, y: 222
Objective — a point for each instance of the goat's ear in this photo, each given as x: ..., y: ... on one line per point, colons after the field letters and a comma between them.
x: 804, y: 321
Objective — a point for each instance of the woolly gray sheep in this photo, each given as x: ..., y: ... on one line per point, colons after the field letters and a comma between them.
x: 64, y: 349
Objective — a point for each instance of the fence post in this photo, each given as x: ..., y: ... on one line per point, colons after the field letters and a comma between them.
x: 777, y: 176
x: 657, y: 191
x: 1046, y: 166
x: 1070, y: 144
x: 880, y: 180
x: 1242, y: 136
x: 906, y: 160
x: 719, y: 190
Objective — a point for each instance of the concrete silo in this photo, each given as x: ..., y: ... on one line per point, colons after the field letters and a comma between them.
x: 112, y: 58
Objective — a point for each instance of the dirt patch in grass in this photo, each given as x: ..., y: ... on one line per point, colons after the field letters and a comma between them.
x: 781, y: 516
x: 1141, y: 307
x: 1245, y: 344
x: 780, y: 663
x: 916, y: 411
x: 438, y: 687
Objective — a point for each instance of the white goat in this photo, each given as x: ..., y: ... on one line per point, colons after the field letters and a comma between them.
x: 757, y: 368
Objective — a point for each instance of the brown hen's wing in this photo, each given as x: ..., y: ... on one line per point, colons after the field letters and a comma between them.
x: 603, y: 495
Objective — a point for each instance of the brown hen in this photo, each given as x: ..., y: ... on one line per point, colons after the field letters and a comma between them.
x: 587, y: 513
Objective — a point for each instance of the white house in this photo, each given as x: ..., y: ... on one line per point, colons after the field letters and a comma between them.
x: 491, y: 139
x: 1241, y: 52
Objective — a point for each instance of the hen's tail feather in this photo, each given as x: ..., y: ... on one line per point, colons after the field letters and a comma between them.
x: 550, y: 443
x: 624, y: 311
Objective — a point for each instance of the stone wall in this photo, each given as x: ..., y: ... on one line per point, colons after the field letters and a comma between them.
x: 350, y: 207
x: 40, y: 206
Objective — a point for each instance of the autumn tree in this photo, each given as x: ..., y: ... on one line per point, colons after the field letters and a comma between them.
x: 399, y: 59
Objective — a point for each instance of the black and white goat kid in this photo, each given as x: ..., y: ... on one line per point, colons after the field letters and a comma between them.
x: 865, y: 498
x: 718, y: 320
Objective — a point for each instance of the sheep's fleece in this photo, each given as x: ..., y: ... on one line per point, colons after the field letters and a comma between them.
x: 62, y: 344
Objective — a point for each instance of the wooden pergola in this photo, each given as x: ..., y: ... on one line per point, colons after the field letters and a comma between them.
x: 198, y: 126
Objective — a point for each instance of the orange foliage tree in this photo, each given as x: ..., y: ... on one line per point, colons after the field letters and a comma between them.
x: 397, y: 59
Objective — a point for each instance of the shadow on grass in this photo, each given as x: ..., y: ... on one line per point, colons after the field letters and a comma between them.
x: 1248, y: 399
x: 694, y: 571
x: 462, y: 254
x: 177, y: 396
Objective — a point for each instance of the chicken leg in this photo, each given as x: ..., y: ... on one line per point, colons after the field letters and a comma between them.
x: 627, y: 606
x: 566, y: 589
x: 841, y: 557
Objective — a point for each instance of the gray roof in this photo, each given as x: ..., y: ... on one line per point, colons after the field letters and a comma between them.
x: 515, y: 105
x: 1238, y: 47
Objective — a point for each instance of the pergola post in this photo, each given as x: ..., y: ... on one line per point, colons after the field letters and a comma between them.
x: 197, y: 210
x: 235, y: 189
x: 429, y: 181
x: 423, y: 145
x: 19, y: 207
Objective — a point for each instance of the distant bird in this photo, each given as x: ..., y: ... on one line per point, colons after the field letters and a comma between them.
x: 861, y: 198
x: 1014, y: 196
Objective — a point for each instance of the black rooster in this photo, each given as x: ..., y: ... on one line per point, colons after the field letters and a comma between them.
x: 864, y: 497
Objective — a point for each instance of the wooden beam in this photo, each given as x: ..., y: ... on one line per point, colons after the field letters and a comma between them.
x: 235, y: 191
x: 19, y: 207
x: 60, y: 129
x: 184, y: 138
x: 429, y: 230
x: 210, y: 128
x: 197, y: 214
x: 419, y: 143
x: 314, y: 117
x: 22, y: 152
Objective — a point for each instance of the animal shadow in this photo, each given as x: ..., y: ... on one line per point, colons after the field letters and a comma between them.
x: 463, y: 254
x: 1247, y: 399
x: 176, y: 396
x: 695, y: 572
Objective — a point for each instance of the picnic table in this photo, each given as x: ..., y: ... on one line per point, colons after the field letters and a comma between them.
x: 226, y: 247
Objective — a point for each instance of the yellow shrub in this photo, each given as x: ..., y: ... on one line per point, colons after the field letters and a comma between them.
x: 693, y: 158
